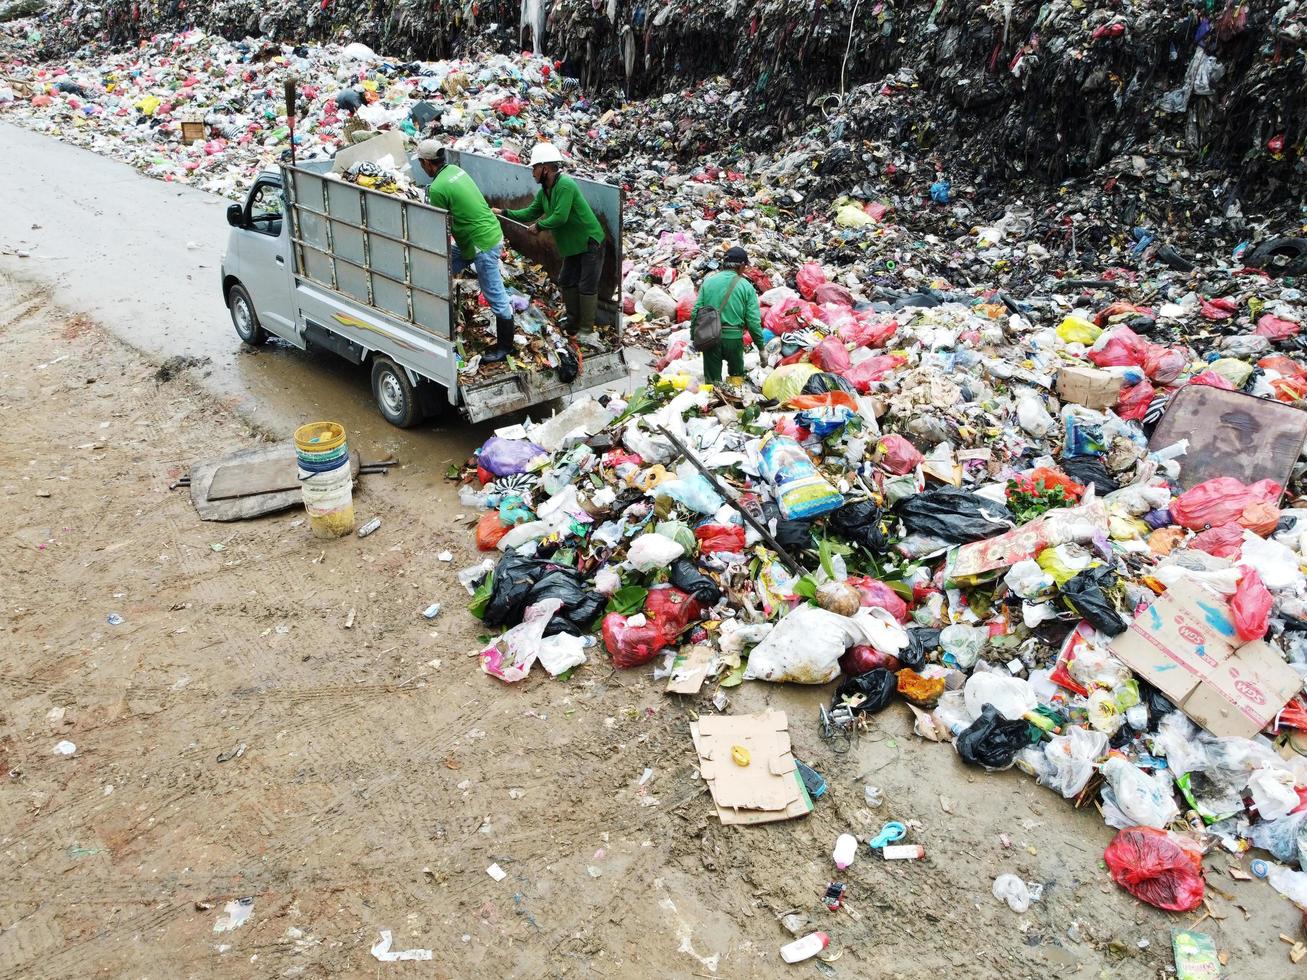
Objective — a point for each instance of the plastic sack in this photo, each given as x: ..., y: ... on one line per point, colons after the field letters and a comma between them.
x: 831, y: 355
x: 1222, y: 500
x: 650, y: 551
x: 877, y: 595
x: 1134, y: 401
x: 1011, y: 696
x: 867, y: 693
x: 788, y: 380
x: 1086, y: 593
x: 632, y: 646
x: 809, y: 277
x: 898, y: 455
x: 504, y: 457
x: 1251, y: 607
x: 579, y: 607
x: 1156, y: 867
x: 490, y: 530
x: 1223, y: 542
x: 686, y: 576
x: 861, y: 522
x: 955, y: 516
x: 510, y: 657
x: 801, y: 491
x: 1122, y: 348
x: 1071, y: 759
x: 804, y: 648
x: 1140, y: 798
x: 714, y: 538
x: 991, y: 741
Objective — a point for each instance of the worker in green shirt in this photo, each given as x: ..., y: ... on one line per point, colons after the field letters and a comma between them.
x: 477, y: 236
x: 559, y: 208
x: 737, y: 303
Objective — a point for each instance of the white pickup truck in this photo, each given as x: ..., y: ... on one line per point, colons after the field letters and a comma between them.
x: 315, y: 260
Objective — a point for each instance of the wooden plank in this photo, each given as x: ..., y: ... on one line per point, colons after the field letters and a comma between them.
x: 266, y: 476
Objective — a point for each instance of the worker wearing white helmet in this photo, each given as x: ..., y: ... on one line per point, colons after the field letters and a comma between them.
x: 559, y: 208
x: 476, y: 233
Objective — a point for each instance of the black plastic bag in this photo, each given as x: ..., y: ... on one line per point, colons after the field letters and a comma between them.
x: 823, y: 383
x: 955, y: 516
x: 514, y: 576
x: 1086, y: 593
x: 860, y: 522
x: 794, y: 535
x: 568, y: 365
x: 580, y: 608
x: 1089, y: 471
x: 687, y: 577
x: 920, y: 642
x: 877, y: 687
x: 992, y: 741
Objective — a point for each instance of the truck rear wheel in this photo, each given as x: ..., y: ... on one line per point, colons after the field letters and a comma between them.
x: 243, y: 317
x: 395, y: 395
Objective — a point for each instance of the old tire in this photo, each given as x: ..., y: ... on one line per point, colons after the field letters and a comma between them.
x: 1279, y: 256
x: 243, y: 317
x: 395, y: 395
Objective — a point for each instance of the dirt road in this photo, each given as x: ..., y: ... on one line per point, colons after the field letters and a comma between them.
x: 371, y: 775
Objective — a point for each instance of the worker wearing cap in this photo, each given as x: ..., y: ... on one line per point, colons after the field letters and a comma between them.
x: 737, y: 303
x: 559, y: 208
x: 477, y: 236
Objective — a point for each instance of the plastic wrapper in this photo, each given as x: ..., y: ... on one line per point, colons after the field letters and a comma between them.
x: 1156, y: 867
x: 686, y: 577
x: 1086, y: 593
x: 991, y: 741
x: 1251, y: 607
x: 954, y: 516
x: 898, y: 455
x: 504, y: 457
x: 1226, y: 500
x: 867, y: 693
x: 801, y: 491
x: 804, y: 648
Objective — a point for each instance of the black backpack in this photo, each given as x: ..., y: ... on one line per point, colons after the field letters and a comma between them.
x: 706, y: 328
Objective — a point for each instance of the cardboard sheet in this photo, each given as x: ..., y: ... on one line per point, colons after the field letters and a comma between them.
x: 770, y: 787
x: 1184, y: 644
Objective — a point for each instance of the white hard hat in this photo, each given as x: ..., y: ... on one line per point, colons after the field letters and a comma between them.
x: 545, y: 153
x: 430, y: 149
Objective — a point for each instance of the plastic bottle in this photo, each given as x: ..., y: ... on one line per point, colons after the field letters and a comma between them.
x: 805, y: 948
x: 846, y: 848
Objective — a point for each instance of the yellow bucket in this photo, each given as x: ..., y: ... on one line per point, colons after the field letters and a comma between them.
x: 319, y: 437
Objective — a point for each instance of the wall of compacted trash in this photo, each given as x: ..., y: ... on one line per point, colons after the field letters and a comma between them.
x: 1035, y: 475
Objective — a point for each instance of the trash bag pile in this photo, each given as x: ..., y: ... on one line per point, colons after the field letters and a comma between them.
x: 980, y: 509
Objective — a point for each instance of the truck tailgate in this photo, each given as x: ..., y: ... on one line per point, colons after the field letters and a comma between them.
x: 510, y: 392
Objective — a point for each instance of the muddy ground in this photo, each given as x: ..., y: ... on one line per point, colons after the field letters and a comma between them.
x: 382, y: 772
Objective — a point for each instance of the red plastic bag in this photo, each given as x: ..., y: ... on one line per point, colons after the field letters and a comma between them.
x: 674, y: 353
x: 860, y: 659
x: 1212, y: 380
x: 877, y: 595
x: 1165, y: 364
x: 1134, y: 401
x: 898, y: 455
x: 1225, y: 500
x: 632, y: 646
x: 1273, y: 328
x: 1219, y: 309
x: 489, y: 530
x: 1123, y: 347
x: 832, y: 292
x: 1225, y: 541
x: 1155, y: 867
x: 784, y: 317
x: 672, y: 608
x: 714, y: 538
x: 1284, y: 366
x: 810, y: 276
x: 867, y: 332
x: 1251, y: 607
x: 831, y: 355
x: 684, y: 308
x: 873, y: 369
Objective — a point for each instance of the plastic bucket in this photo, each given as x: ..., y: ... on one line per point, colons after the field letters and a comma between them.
x: 329, y: 501
x: 319, y: 437
x: 334, y: 461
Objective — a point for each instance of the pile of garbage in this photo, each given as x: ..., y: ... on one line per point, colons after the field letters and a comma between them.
x: 1066, y: 532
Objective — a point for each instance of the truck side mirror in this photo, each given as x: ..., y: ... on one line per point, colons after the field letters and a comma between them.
x: 235, y: 215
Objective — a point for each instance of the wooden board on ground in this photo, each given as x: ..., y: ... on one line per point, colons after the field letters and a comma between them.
x: 266, y: 476
x: 252, y: 505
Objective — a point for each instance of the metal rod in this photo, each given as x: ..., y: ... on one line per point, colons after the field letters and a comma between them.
x: 766, y: 535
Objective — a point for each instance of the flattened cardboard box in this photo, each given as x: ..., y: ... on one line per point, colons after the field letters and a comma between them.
x: 769, y: 788
x: 1184, y: 645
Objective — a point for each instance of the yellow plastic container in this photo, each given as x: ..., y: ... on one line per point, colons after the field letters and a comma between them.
x: 319, y: 437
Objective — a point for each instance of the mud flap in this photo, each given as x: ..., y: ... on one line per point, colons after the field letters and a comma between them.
x: 511, y: 392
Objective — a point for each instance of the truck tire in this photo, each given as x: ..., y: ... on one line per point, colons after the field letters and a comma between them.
x: 394, y: 393
x: 243, y: 317
x: 1279, y: 256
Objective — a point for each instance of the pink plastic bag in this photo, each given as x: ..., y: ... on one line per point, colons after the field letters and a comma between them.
x: 832, y: 292
x: 831, y: 355
x: 1134, y: 401
x: 1219, y: 309
x: 898, y: 455
x: 1251, y: 607
x: 877, y: 595
x: 1225, y: 541
x: 1225, y: 500
x: 873, y: 369
x: 1273, y: 328
x: 1212, y: 380
x: 1123, y: 348
x: 1164, y: 364
x: 836, y: 316
x: 810, y: 276
x: 867, y: 332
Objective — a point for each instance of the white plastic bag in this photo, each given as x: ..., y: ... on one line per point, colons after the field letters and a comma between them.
x: 650, y: 551
x: 510, y: 657
x: 561, y: 652
x: 1012, y: 696
x: 607, y: 581
x: 1272, y: 791
x: 1132, y: 794
x: 1071, y: 759
x: 804, y: 648
x: 1017, y: 893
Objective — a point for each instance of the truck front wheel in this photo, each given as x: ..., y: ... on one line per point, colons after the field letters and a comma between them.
x: 243, y: 317
x: 395, y: 394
